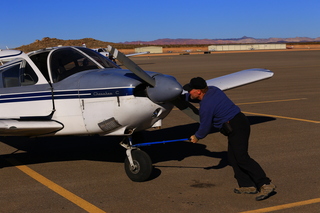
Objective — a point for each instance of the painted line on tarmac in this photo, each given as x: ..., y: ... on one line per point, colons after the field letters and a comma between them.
x: 56, y: 188
x: 283, y: 117
x: 274, y: 101
x: 285, y: 206
x: 277, y: 116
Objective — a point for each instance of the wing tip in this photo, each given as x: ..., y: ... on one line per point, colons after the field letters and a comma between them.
x: 261, y: 70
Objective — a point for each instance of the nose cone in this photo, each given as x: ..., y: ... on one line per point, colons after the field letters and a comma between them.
x: 167, y: 88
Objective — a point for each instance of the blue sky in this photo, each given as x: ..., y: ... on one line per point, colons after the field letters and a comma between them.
x: 24, y: 21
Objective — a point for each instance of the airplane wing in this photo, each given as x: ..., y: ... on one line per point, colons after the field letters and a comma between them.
x: 133, y: 54
x: 28, y: 128
x: 226, y: 82
x: 240, y: 78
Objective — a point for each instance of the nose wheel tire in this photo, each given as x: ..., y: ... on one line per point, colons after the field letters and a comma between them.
x: 142, y: 166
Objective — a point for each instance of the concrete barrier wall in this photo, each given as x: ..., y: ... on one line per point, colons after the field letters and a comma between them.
x: 235, y: 47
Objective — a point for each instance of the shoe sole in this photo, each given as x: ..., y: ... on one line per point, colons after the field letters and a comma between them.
x: 263, y: 197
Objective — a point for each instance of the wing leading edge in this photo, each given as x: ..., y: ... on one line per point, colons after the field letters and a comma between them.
x: 240, y: 78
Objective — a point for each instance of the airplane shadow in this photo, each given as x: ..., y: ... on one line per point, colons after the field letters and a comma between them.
x: 95, y: 148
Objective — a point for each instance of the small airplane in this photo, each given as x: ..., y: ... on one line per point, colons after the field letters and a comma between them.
x: 77, y: 91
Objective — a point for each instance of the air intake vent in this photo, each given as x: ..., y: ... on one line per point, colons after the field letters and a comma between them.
x: 140, y: 90
x: 109, y: 125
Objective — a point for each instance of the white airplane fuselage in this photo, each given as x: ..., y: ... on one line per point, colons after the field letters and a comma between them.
x: 105, y: 101
x: 103, y: 111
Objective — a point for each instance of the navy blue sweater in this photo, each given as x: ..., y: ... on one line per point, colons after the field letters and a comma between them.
x: 215, y: 109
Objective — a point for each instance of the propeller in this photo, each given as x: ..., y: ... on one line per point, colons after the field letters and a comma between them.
x: 162, y: 88
x: 187, y: 108
x: 133, y: 67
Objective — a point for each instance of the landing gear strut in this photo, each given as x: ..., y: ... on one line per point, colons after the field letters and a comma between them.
x: 138, y: 165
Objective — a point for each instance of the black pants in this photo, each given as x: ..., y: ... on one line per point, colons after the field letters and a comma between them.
x: 246, y: 170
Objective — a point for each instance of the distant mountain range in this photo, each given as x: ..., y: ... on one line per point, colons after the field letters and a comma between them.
x: 93, y: 43
x: 244, y: 39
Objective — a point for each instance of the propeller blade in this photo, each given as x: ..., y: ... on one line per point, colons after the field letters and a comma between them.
x: 133, y: 67
x: 187, y: 108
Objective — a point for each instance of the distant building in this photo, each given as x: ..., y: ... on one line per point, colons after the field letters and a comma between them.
x: 151, y: 49
x: 235, y: 47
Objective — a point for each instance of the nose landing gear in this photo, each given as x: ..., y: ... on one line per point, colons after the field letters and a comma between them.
x: 138, y: 164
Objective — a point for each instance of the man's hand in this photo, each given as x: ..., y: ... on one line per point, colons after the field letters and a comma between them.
x: 194, y: 139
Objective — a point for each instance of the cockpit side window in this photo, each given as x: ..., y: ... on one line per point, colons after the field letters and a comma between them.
x: 10, y: 76
x: 28, y: 76
x: 66, y: 62
x: 18, y: 74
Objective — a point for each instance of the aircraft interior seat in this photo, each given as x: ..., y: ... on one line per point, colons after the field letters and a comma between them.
x: 11, y: 82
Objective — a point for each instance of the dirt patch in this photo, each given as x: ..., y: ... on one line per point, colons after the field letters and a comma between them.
x: 304, y: 46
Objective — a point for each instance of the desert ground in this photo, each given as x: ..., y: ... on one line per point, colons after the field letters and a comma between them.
x: 86, y: 174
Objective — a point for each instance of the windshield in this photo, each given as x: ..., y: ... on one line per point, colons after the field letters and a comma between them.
x: 68, y: 61
x: 103, y: 61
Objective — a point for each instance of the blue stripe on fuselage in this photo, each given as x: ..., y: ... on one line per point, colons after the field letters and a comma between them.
x: 65, y: 94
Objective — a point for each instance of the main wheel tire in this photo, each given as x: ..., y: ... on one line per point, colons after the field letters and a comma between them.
x: 142, y: 166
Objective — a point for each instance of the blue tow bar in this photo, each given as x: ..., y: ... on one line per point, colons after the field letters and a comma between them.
x: 159, y: 142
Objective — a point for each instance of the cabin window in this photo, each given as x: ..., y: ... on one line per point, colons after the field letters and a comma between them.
x: 18, y: 74
x: 10, y: 76
x: 27, y: 75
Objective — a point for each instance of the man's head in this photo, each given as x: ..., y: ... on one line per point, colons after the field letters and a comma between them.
x: 195, y: 83
x: 197, y: 88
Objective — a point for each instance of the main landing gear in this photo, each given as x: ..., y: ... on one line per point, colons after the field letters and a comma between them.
x: 138, y: 165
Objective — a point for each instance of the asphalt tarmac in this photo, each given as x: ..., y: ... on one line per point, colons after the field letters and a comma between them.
x: 86, y: 174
